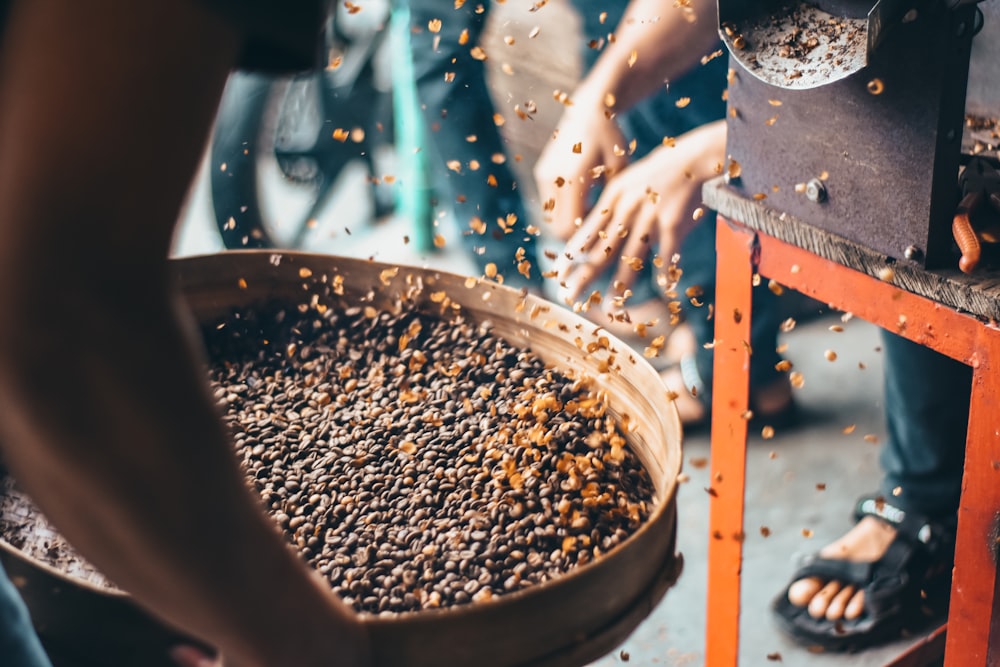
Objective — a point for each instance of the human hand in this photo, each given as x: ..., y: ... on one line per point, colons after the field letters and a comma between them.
x: 650, y: 204
x: 587, y: 148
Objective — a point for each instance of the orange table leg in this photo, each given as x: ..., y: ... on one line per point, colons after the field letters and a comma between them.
x: 730, y: 397
x: 976, y: 587
x: 973, y: 592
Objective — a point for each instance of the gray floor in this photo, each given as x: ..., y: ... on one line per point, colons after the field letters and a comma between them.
x: 785, y: 474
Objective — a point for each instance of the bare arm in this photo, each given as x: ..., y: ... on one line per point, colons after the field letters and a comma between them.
x: 104, y: 413
x: 655, y: 42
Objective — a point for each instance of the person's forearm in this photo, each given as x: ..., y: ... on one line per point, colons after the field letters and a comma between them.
x: 105, y: 417
x: 706, y: 148
x: 654, y: 43
x: 131, y: 462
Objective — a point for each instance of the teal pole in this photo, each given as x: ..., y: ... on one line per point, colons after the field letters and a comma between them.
x: 414, y: 195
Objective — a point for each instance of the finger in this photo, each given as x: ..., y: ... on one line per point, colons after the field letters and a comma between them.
x: 590, y: 248
x: 635, y: 249
x: 591, y: 233
x: 576, y: 282
x: 567, y: 207
x: 635, y: 253
x: 596, y: 264
x: 189, y: 656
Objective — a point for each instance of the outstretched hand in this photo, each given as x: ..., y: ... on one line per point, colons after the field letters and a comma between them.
x: 651, y: 204
x: 587, y: 148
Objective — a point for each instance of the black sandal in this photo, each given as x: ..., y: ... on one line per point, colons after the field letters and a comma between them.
x: 904, y: 590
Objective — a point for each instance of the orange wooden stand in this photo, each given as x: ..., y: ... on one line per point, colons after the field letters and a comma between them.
x: 972, y: 629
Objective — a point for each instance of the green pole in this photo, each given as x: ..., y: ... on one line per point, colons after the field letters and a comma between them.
x: 414, y: 195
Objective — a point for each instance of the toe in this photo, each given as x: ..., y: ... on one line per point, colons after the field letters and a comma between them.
x: 803, y: 590
x: 855, y: 607
x: 821, y: 601
x: 838, y: 605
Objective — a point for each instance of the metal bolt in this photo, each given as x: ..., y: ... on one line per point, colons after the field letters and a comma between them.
x: 816, y: 190
x: 913, y: 253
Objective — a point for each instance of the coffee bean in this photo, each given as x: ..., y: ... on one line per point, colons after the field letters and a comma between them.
x: 418, y: 461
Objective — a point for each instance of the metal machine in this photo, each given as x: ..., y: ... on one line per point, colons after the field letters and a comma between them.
x: 850, y: 116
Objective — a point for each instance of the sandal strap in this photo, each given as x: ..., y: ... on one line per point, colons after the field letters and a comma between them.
x: 827, y: 569
x: 692, y: 379
x: 935, y: 537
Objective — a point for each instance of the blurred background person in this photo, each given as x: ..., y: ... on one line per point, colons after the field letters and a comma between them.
x: 665, y: 75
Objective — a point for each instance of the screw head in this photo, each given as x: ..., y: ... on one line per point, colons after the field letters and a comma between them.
x: 816, y: 190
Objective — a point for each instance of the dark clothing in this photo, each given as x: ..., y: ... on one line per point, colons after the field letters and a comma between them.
x: 699, y: 265
x: 927, y: 412
x: 281, y: 36
x: 19, y: 645
x: 463, y: 138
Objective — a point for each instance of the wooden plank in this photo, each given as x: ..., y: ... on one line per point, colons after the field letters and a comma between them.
x: 978, y: 294
x: 878, y: 301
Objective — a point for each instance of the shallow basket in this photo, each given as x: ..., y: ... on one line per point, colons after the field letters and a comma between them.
x: 568, y: 621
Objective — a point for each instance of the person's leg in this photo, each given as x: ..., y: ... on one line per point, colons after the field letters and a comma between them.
x: 469, y: 156
x: 927, y: 407
x: 770, y: 392
x: 927, y: 411
x: 19, y: 645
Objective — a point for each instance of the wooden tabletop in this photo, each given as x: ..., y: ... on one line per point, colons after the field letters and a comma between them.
x: 977, y: 294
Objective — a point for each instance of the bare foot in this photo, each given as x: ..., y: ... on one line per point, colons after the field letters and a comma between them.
x: 689, y: 407
x: 764, y: 401
x: 681, y: 343
x: 866, y: 542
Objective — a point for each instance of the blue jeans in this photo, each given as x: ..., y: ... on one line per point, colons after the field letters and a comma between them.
x: 927, y: 412
x: 458, y: 110
x: 698, y: 263
x: 19, y: 645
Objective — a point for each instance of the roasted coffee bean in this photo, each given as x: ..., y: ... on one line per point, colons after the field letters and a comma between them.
x: 420, y: 461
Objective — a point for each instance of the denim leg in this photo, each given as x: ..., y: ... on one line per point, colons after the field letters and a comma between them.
x: 698, y: 262
x: 463, y: 139
x: 927, y: 412
x: 19, y: 645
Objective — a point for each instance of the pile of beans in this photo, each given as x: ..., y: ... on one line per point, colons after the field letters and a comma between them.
x: 419, y: 461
